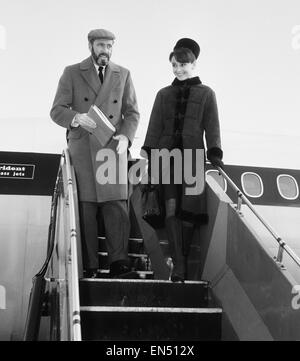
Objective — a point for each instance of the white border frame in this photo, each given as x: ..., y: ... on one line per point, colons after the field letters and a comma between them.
x: 297, y: 187
x: 260, y: 180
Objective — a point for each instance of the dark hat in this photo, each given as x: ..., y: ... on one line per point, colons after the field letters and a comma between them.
x: 100, y: 34
x: 189, y: 44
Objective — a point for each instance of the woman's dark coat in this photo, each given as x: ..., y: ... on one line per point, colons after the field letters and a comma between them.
x: 200, y: 118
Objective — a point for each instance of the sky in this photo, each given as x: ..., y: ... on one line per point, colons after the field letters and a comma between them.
x: 250, y: 57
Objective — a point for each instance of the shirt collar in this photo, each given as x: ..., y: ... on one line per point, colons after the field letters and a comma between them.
x: 97, y: 67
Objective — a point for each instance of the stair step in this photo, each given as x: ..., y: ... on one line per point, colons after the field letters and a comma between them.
x: 134, y: 255
x: 144, y: 308
x: 139, y: 240
x: 105, y: 274
x: 110, y: 280
x: 135, y: 245
x: 143, y: 293
x: 137, y: 261
x: 150, y: 323
x: 149, y: 309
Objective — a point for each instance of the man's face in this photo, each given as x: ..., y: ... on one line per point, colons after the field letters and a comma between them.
x: 101, y: 51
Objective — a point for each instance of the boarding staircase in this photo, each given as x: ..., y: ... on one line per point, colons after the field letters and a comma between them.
x: 251, y: 280
x: 66, y: 306
x: 146, y: 308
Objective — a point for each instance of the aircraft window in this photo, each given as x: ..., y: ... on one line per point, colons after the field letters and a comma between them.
x: 218, y: 178
x: 287, y: 186
x: 252, y: 184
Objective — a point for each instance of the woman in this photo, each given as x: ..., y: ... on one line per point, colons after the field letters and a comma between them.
x: 181, y: 114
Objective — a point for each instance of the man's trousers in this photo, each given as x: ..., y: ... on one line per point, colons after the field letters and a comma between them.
x: 117, y: 228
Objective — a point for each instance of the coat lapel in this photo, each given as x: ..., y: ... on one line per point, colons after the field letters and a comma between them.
x: 111, y: 81
x: 88, y: 72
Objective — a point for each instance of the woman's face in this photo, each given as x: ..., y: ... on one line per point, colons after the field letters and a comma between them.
x: 182, y: 71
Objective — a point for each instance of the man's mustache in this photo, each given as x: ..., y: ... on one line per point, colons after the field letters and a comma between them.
x: 103, y: 54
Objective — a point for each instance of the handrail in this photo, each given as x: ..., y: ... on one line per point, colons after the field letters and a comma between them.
x: 36, y: 295
x: 52, y: 225
x: 70, y: 259
x: 241, y: 197
x: 75, y: 306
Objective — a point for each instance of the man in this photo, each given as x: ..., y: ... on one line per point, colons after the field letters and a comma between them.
x: 97, y: 80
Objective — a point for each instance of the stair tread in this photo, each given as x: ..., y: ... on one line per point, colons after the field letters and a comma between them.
x: 130, y: 238
x: 102, y: 270
x: 139, y: 240
x: 129, y: 254
x: 144, y: 308
x: 150, y: 309
x: 112, y: 280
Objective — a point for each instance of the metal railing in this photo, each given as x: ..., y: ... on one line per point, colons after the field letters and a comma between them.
x: 282, y: 246
x: 36, y: 299
x: 73, y: 283
x: 56, y: 286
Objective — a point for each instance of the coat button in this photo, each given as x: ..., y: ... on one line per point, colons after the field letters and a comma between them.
x: 115, y: 101
x: 86, y: 99
x: 111, y: 116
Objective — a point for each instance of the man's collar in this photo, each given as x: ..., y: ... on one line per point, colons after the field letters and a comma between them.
x: 88, y: 63
x: 98, y: 66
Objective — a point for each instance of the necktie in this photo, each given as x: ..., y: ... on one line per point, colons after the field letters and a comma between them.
x: 101, y: 73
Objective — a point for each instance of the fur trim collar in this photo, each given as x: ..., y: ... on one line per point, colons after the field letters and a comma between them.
x: 190, y: 81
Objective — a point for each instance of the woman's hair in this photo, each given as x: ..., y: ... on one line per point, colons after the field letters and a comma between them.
x: 183, y: 55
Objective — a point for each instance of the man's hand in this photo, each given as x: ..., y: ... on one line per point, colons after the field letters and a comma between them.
x: 123, y: 143
x: 84, y: 120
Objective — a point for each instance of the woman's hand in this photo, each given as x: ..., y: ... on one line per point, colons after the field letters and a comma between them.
x: 216, y: 162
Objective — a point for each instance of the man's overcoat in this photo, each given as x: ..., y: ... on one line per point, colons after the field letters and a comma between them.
x: 79, y: 87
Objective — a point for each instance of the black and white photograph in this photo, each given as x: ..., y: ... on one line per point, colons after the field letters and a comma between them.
x: 149, y: 173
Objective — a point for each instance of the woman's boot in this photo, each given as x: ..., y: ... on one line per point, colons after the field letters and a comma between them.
x: 174, y: 233
x: 187, y: 237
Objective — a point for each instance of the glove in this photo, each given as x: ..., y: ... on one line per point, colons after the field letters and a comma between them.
x: 123, y: 143
x: 215, y: 156
x: 217, y: 162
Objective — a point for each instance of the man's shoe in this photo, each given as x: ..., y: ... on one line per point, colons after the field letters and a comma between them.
x: 91, y: 273
x: 177, y: 278
x: 120, y: 269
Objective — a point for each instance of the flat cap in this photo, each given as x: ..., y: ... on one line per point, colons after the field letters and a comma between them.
x: 189, y: 44
x: 100, y: 34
